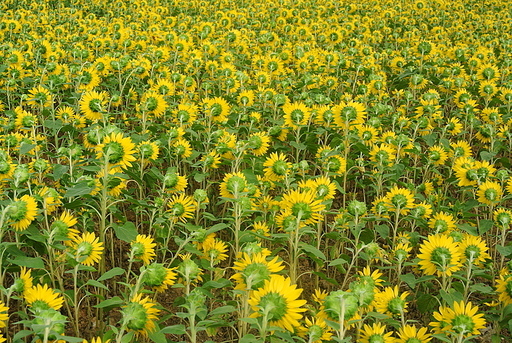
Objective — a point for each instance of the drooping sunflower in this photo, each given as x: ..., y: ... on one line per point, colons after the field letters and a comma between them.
x: 439, y: 255
x: 143, y: 248
x: 39, y: 97
x: 488, y: 72
x: 158, y: 277
x: 277, y: 301
x: 217, y: 109
x: 399, y: 199
x: 174, y: 182
x: 411, y: 334
x: 181, y: 207
x: 185, y: 115
x: 376, y: 333
x: 383, y: 155
x: 461, y: 319
x: 503, y: 217
x: 87, y: 249
x: 258, y: 143
x: 442, y: 222
x: 152, y: 104
x: 140, y: 315
x: 92, y: 105
x: 253, y: 270
x: 24, y: 120
x: 214, y: 250
x: 489, y: 192
x: 181, y: 148
x: 211, y: 160
x: 437, y: 155
x: 276, y: 167
x: 21, y: 212
x: 119, y: 151
x: 24, y: 282
x: 296, y: 115
x: 62, y: 227
x: 41, y: 297
x: 460, y: 149
x: 316, y: 330
x: 303, y: 205
x: 148, y: 151
x: 474, y: 250
x: 233, y: 185
x: 391, y: 302
x: 349, y: 114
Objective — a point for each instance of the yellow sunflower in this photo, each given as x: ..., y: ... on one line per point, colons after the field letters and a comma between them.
x: 39, y: 97
x: 118, y: 151
x: 152, y: 104
x: 461, y: 319
x: 302, y: 205
x: 296, y: 115
x: 383, y: 155
x: 92, y: 105
x: 158, y: 277
x: 41, y: 298
x: 439, y: 255
x: 258, y: 143
x: 24, y: 120
x: 391, y: 302
x: 376, y: 333
x: 442, y: 222
x: 21, y: 212
x: 139, y: 315
x: 474, y: 250
x: 253, y: 270
x: 489, y: 193
x: 217, y: 109
x: 277, y: 302
x: 276, y: 167
x: 4, y: 316
x: 181, y: 207
x: 411, y: 334
x: 87, y: 249
x: 233, y: 185
x: 400, y: 200
x: 143, y: 248
x: 349, y: 114
x: 185, y: 115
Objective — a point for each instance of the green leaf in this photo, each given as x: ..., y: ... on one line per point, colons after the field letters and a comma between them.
x: 112, y: 302
x: 221, y: 283
x: 157, y: 336
x: 97, y: 284
x: 312, y: 250
x: 24, y: 261
x: 22, y: 334
x: 337, y: 262
x: 217, y: 227
x: 426, y: 303
x: 484, y: 225
x: 58, y: 171
x: 504, y: 250
x: 250, y: 338
x: 80, y: 188
x: 178, y: 329
x: 111, y: 273
x: 481, y: 288
x: 409, y: 279
x: 127, y: 232
x: 382, y: 230
x: 26, y: 147
x: 487, y: 156
x: 222, y: 310
x: 69, y: 339
x: 468, y: 228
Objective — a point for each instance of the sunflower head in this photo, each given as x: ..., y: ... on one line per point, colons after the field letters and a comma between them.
x: 341, y: 304
x: 139, y: 315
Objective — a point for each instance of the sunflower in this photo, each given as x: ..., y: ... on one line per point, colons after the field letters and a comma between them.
x: 87, y: 249
x: 181, y: 207
x: 334, y: 164
x: 503, y: 217
x: 62, y: 227
x: 368, y: 134
x: 316, y: 330
x: 246, y: 98
x: 148, y: 151
x: 349, y: 114
x: 253, y: 270
x: 181, y: 148
x: 488, y: 89
x: 24, y: 282
x: 391, y: 302
x: 152, y: 104
x: 4, y: 316
x: 442, y: 222
x: 302, y: 205
x: 411, y: 334
x: 233, y: 185
x: 488, y: 72
x: 92, y: 104
x: 188, y: 270
x: 437, y: 155
x: 454, y: 126
x: 401, y: 251
x: 118, y: 151
x: 143, y: 248
x: 139, y: 315
x: 174, y: 182
x: 489, y: 193
x: 400, y: 200
x: 211, y: 160
x: 258, y: 143
x: 322, y: 186
x: 214, y: 250
x: 375, y: 333
x: 41, y: 298
x: 439, y: 255
x: 158, y: 277
x: 296, y: 115
x: 462, y: 319
x: 39, y: 97
x: 185, y: 115
x: 383, y: 155
x: 276, y: 167
x: 216, y: 109
x: 277, y: 302
x: 504, y: 287
x: 24, y: 120
x: 21, y: 212
x: 324, y: 115
x: 474, y: 250
x: 460, y: 149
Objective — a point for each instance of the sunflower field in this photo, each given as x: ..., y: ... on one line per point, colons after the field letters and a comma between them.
x: 246, y: 171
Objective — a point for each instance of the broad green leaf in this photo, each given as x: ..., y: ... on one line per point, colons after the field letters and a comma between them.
x: 24, y: 261
x: 80, y: 188
x: 312, y: 250
x: 222, y: 310
x: 111, y: 273
x: 178, y: 329
x: 112, y: 302
x: 127, y: 232
x: 97, y: 284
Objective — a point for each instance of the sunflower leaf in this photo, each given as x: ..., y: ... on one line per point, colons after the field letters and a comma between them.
x: 111, y: 273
